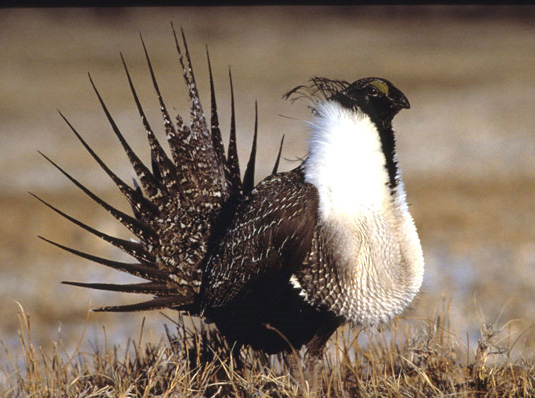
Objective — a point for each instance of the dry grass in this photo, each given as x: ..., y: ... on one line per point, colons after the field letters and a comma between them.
x: 412, y: 358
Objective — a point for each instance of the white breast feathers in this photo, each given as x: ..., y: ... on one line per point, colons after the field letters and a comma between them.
x: 376, y: 254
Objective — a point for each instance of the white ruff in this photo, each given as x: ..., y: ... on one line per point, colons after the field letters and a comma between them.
x: 346, y: 162
x: 378, y: 256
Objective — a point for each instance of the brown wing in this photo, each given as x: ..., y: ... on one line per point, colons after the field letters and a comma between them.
x: 271, y: 233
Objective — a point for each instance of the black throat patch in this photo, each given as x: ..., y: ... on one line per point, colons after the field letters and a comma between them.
x: 388, y: 145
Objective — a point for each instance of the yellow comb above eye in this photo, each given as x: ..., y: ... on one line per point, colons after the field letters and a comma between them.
x: 381, y: 86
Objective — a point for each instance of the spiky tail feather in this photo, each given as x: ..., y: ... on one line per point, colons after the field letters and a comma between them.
x: 178, y: 203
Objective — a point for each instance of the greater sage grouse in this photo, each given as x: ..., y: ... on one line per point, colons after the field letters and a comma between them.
x: 281, y: 263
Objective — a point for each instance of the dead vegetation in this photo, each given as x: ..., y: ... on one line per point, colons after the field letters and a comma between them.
x: 411, y: 358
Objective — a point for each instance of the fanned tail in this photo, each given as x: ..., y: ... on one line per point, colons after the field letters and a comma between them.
x: 177, y: 203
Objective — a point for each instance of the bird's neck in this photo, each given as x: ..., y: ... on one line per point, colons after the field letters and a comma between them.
x: 351, y: 161
x: 388, y: 145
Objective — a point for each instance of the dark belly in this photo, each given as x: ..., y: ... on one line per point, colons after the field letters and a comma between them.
x: 251, y: 319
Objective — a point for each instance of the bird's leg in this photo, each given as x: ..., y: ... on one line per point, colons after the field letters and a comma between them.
x: 314, y: 357
x: 306, y: 371
x: 297, y: 370
x: 310, y: 371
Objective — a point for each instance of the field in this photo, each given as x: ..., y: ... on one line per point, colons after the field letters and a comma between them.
x: 466, y: 148
x: 421, y: 360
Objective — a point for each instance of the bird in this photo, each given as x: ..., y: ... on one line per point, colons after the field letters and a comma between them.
x: 281, y: 264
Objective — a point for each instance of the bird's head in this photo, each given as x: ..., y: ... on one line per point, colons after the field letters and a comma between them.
x: 375, y: 96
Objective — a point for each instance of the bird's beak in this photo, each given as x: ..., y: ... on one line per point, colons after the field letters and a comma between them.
x: 400, y: 101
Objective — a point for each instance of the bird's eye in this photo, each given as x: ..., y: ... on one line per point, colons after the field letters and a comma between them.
x: 372, y: 90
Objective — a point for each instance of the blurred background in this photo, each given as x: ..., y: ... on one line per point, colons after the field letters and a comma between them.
x: 466, y: 146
